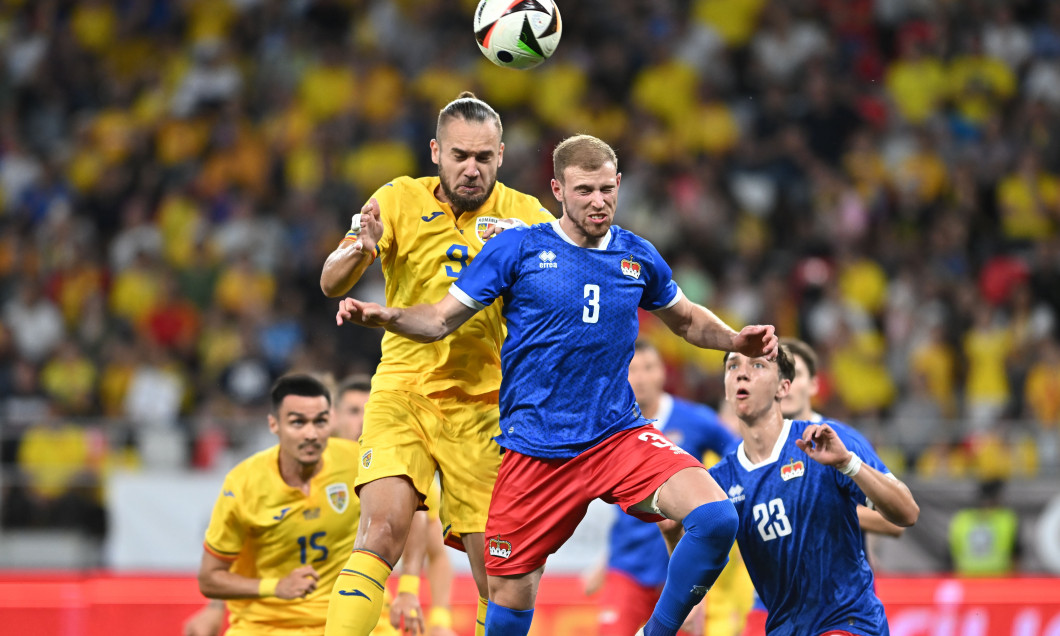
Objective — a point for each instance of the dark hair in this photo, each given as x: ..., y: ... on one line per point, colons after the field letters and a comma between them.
x: 584, y: 151
x: 644, y: 345
x: 300, y: 384
x: 800, y: 349
x: 785, y: 363
x: 469, y: 108
x: 361, y: 383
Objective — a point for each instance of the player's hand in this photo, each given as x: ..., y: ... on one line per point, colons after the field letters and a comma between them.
x: 368, y: 225
x: 205, y: 622
x: 756, y: 341
x: 362, y: 313
x: 500, y: 226
x: 823, y: 445
x: 300, y: 582
x: 406, y: 614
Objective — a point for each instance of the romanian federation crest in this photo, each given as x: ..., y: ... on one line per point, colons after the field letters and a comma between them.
x: 366, y: 458
x: 484, y: 224
x: 338, y: 497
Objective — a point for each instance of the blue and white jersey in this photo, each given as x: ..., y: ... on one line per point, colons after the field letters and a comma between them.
x: 638, y: 548
x: 800, y: 539
x: 572, y: 321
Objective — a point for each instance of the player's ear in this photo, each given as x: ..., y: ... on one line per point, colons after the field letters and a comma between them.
x: 274, y: 424
x: 815, y: 386
x: 783, y: 389
x: 618, y: 180
x: 500, y: 155
x: 557, y: 190
x: 436, y: 151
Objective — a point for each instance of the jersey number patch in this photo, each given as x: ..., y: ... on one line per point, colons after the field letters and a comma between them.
x: 310, y: 542
x: 772, y: 520
x: 458, y: 254
x: 591, y: 311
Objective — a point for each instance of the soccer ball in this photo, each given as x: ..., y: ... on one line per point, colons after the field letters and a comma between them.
x: 517, y: 33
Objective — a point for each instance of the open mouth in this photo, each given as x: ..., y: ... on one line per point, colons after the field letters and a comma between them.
x: 597, y: 218
x: 742, y: 393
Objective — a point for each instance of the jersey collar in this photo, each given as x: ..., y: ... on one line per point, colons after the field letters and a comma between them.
x: 782, y: 439
x: 604, y: 242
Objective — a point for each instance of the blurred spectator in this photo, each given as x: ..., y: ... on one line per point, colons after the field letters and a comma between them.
x: 1042, y: 393
x: 156, y: 389
x: 984, y: 540
x: 35, y: 322
x: 69, y: 380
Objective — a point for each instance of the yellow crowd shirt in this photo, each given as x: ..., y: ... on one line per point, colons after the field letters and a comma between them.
x: 268, y: 528
x: 423, y: 250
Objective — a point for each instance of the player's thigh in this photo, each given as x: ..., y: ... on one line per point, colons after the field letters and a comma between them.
x: 687, y: 490
x: 625, y: 605
x: 395, y: 439
x: 468, y: 460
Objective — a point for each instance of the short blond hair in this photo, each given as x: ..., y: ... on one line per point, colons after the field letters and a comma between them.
x: 584, y: 151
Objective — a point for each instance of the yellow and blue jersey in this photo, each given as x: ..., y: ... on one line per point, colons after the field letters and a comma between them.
x: 424, y: 248
x: 267, y: 528
x: 800, y: 538
x: 572, y: 321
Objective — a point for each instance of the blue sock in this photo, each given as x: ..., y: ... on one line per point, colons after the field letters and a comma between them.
x: 501, y: 621
x: 697, y: 561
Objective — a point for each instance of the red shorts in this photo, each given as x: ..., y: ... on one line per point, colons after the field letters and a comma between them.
x: 756, y: 623
x: 537, y: 503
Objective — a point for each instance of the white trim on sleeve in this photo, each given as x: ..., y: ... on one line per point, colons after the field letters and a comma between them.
x: 677, y: 297
x: 464, y: 299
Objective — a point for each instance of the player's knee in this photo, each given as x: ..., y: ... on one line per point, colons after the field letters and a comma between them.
x: 716, y: 522
x: 385, y: 534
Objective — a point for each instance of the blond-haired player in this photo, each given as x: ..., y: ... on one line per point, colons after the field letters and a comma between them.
x: 433, y: 406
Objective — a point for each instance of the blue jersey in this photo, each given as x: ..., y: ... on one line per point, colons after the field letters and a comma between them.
x: 638, y: 548
x: 572, y: 321
x: 800, y: 539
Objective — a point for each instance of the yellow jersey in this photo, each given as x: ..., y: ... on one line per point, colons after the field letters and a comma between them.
x: 268, y: 528
x: 423, y: 249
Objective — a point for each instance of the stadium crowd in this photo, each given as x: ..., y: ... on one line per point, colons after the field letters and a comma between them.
x: 878, y: 177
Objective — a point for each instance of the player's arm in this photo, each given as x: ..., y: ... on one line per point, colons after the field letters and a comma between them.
x: 347, y: 263
x: 889, y: 495
x: 872, y: 521
x: 422, y: 323
x: 699, y: 326
x: 405, y: 611
x: 216, y: 581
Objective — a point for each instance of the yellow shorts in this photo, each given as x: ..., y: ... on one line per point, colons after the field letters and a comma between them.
x: 407, y: 434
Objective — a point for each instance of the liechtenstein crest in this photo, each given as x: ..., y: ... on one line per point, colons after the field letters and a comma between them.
x: 792, y: 470
x: 338, y: 497
x: 484, y: 224
x: 630, y: 267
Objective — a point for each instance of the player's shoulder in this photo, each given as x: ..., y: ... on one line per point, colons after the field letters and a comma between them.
x: 846, y: 431
x: 627, y: 241
x: 344, y: 452
x: 513, y: 204
x: 252, y: 469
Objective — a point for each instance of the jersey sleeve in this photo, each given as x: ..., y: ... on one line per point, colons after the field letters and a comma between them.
x: 492, y: 272
x: 226, y: 533
x: 660, y: 290
x: 858, y: 444
x: 708, y: 434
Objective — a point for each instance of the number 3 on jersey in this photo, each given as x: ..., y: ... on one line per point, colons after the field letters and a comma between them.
x: 591, y: 310
x: 772, y: 519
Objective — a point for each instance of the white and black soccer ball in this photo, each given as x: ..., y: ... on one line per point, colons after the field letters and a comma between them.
x: 517, y: 33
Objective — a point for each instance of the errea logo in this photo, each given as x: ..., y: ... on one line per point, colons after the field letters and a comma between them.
x: 548, y: 260
x: 736, y: 493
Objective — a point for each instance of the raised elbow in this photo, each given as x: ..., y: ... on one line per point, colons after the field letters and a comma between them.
x: 206, y: 587
x: 909, y: 516
x: 330, y: 289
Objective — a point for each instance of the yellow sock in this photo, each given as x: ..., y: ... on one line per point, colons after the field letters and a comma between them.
x: 480, y: 617
x: 357, y: 598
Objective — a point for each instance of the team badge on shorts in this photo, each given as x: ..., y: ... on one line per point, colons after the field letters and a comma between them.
x: 792, y: 470
x: 338, y: 497
x: 630, y: 267
x: 484, y: 224
x: 500, y: 548
x: 366, y: 458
